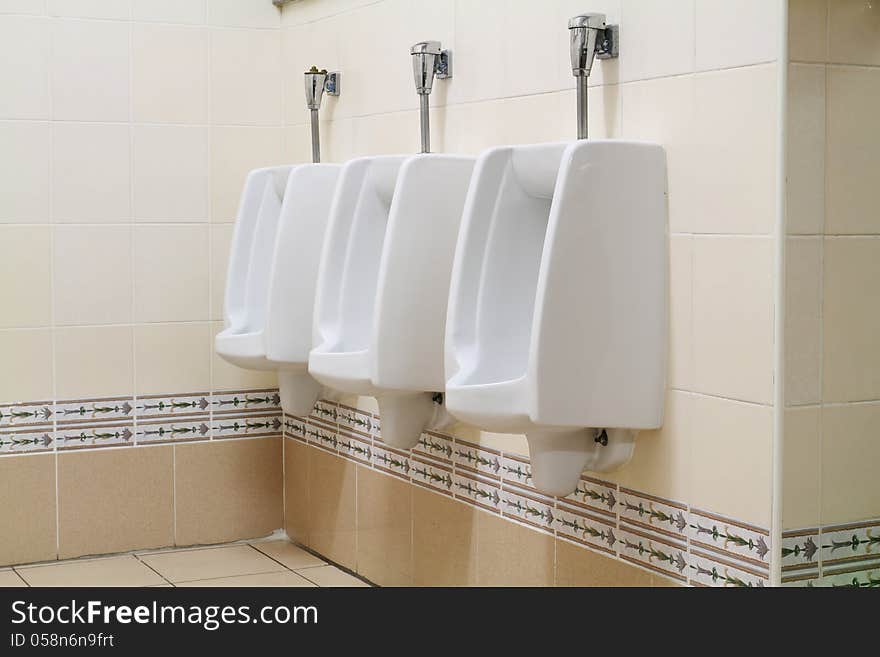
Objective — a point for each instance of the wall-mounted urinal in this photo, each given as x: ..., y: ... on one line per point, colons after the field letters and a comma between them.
x: 250, y: 266
x: 270, y: 289
x: 384, y: 281
x: 557, y: 315
x: 557, y: 318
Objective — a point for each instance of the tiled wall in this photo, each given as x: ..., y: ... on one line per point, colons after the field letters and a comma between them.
x: 126, y: 128
x: 685, y: 79
x: 832, y: 437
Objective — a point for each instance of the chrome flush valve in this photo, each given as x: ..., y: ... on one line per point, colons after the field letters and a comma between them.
x: 589, y: 37
x: 428, y: 59
x: 316, y: 83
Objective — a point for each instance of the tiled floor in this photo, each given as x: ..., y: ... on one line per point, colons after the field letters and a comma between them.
x: 260, y: 563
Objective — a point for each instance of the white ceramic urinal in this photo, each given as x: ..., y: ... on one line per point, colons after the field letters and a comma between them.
x: 558, y: 305
x: 383, y: 286
x: 250, y: 263
x: 270, y: 289
x: 289, y: 317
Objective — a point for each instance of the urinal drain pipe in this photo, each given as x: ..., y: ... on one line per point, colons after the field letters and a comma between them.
x: 316, y: 136
x: 316, y: 83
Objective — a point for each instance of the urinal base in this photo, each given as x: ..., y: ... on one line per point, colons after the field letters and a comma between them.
x: 559, y: 457
x: 299, y: 392
x: 405, y: 417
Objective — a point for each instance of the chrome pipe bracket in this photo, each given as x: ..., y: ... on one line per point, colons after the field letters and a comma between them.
x: 331, y: 86
x: 608, y: 43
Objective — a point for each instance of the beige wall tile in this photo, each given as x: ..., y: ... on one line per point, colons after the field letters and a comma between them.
x: 229, y: 377
x: 170, y: 273
x: 245, y: 69
x: 169, y: 11
x: 296, y: 491
x: 333, y: 507
x: 113, y: 571
x: 170, y: 74
x: 734, y: 174
x: 808, y: 27
x: 24, y: 168
x: 648, y: 26
x: 680, y: 366
x: 509, y: 554
x: 90, y: 70
x: 87, y: 157
x: 661, y: 462
x: 298, y: 144
x: 190, y: 565
x: 803, y: 320
x: 36, y: 7
x: 733, y: 319
x: 228, y: 490
x: 172, y: 358
x: 28, y: 523
x: 576, y: 566
x: 853, y: 148
x: 25, y: 257
x: 801, y: 468
x: 25, y: 88
x: 854, y: 32
x: 850, y: 453
x: 444, y: 541
x: 805, y: 211
x: 170, y: 173
x: 234, y: 152
x: 384, y: 528
x: 115, y: 500
x: 115, y: 9
x: 386, y: 134
x: 26, y: 355
x: 221, y: 246
x: 92, y: 275
x: 719, y: 44
x: 472, y: 127
x: 731, y: 459
x: 674, y: 130
x: 93, y: 361
x: 235, y: 13
x: 851, y: 320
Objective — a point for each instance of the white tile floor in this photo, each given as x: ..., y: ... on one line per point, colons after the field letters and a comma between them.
x: 259, y: 563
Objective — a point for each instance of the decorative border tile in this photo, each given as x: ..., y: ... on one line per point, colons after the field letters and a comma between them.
x: 486, y: 462
x: 653, y: 514
x: 352, y: 418
x: 431, y: 474
x: 39, y: 412
x: 99, y: 410
x: 735, y: 539
x: 706, y: 569
x: 355, y: 446
x: 435, y: 446
x: 175, y: 430
x: 800, y: 550
x: 576, y: 525
x: 477, y: 491
x: 531, y: 508
x: 849, y: 543
x: 325, y: 412
x: 653, y: 552
x: 596, y: 495
x: 295, y: 428
x: 165, y: 405
x: 82, y: 435
x: 27, y: 439
x: 390, y: 461
x: 245, y: 401
x: 321, y: 435
x: 247, y: 426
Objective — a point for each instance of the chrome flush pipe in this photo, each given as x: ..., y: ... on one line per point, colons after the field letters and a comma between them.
x: 428, y: 60
x: 316, y: 83
x: 589, y: 38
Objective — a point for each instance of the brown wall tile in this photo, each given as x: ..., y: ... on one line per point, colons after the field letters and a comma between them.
x: 27, y: 518
x: 115, y: 500
x: 444, y: 544
x: 296, y: 491
x: 228, y: 490
x: 384, y: 525
x: 332, y: 508
x: 509, y: 554
x: 576, y: 566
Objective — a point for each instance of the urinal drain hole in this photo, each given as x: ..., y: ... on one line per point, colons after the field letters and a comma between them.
x: 601, y: 437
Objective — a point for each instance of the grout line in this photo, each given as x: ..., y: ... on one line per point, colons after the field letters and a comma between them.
x: 167, y: 581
